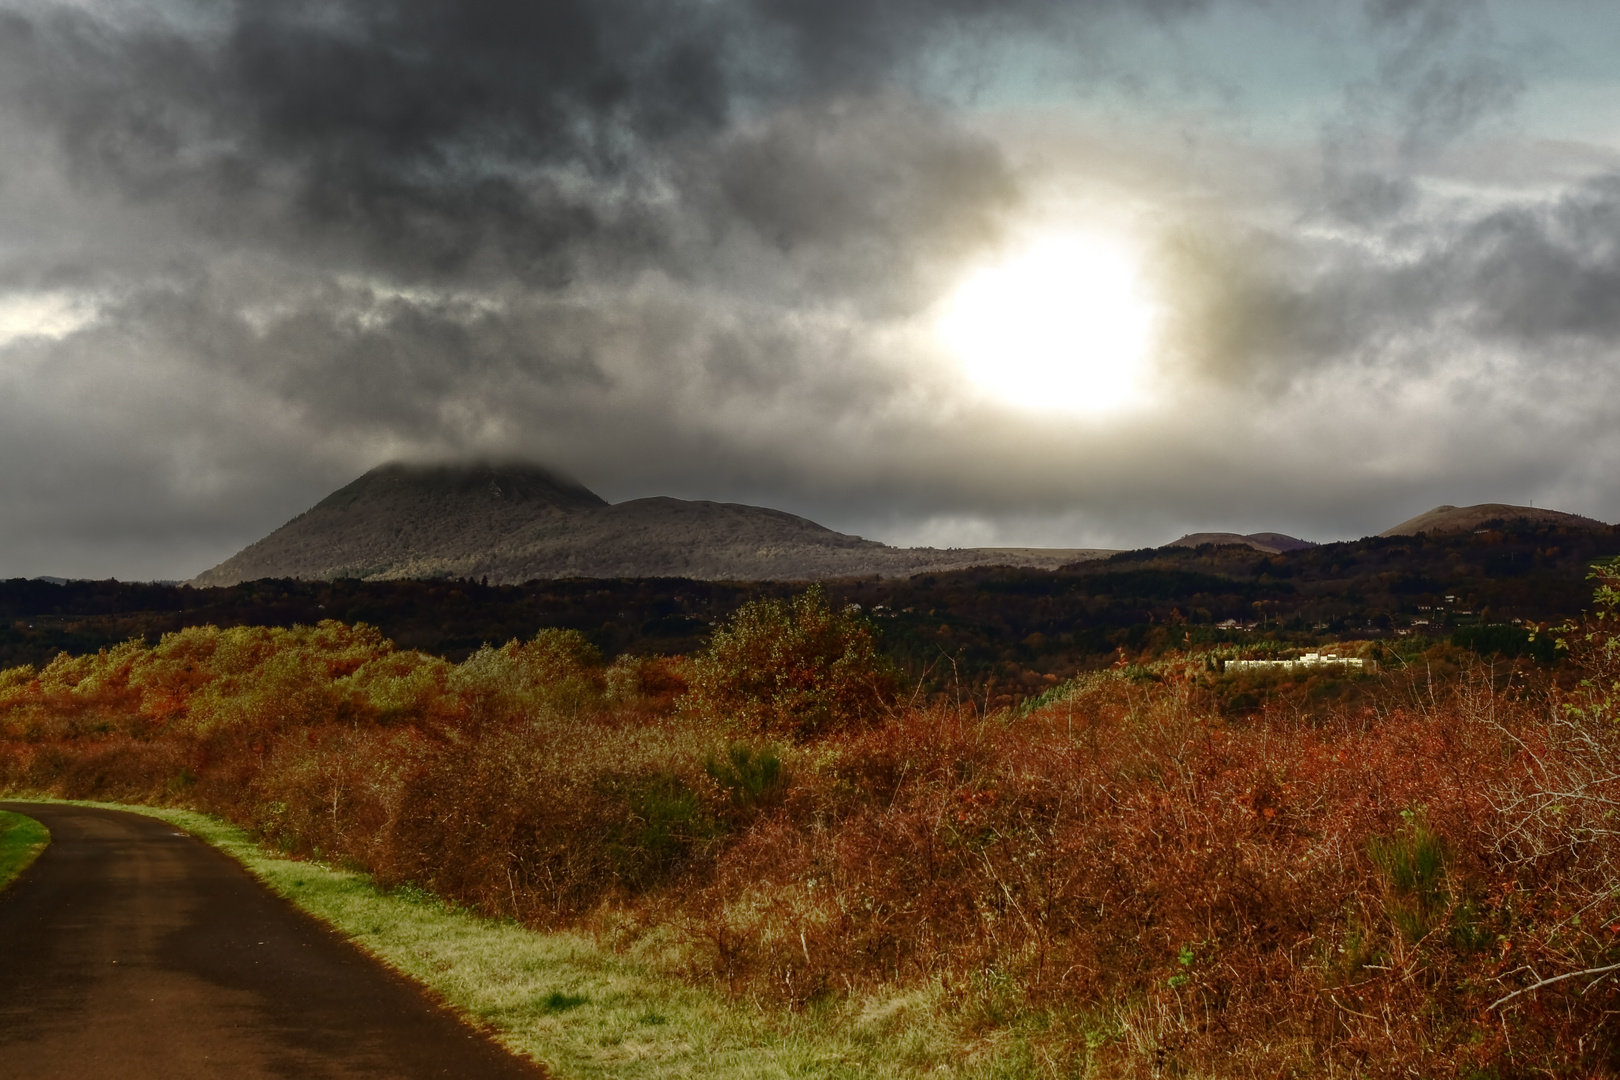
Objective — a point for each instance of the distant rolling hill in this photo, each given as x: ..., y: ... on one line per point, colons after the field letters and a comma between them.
x: 1272, y: 543
x: 515, y: 522
x: 1439, y: 521
x: 1455, y: 519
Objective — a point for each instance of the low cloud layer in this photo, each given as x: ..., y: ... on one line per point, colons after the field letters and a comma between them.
x: 700, y: 250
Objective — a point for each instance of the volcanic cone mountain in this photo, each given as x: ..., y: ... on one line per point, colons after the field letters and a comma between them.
x: 515, y: 522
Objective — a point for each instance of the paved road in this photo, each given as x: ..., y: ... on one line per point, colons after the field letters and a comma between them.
x: 130, y: 950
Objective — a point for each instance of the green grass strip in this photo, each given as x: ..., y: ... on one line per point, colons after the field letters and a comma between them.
x: 21, y: 841
x: 588, y: 1011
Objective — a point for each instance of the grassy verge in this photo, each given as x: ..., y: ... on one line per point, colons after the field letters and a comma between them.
x: 587, y: 1011
x: 21, y: 841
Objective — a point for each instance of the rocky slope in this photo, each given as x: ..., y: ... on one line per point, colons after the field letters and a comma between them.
x: 513, y: 523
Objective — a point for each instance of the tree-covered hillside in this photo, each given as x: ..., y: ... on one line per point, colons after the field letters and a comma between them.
x: 1009, y: 631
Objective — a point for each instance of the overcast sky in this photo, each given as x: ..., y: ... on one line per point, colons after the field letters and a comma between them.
x: 1235, y: 264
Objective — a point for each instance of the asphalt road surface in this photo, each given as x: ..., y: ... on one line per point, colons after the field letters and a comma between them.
x: 131, y: 950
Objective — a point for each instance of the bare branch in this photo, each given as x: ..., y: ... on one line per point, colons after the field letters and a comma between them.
x: 1548, y: 982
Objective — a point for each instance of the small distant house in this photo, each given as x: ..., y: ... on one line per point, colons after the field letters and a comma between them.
x: 1309, y: 660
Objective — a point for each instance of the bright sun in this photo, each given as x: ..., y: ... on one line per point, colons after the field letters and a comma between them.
x: 1061, y: 324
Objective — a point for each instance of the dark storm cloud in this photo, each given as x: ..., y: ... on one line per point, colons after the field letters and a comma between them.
x: 418, y: 137
x: 265, y: 168
x: 1544, y: 274
x: 867, y: 197
x: 679, y: 246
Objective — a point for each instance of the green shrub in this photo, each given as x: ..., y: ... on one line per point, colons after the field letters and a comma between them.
x: 666, y: 823
x: 793, y: 669
x: 1508, y: 641
x: 1595, y: 647
x: 752, y: 778
x: 1413, y: 866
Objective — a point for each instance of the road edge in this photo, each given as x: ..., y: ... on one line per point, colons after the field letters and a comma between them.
x: 555, y: 998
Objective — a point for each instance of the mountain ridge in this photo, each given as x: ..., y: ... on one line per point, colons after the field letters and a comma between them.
x: 510, y: 522
x: 514, y: 522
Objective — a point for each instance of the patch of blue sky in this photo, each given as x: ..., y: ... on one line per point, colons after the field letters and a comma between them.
x: 1283, y: 71
x: 1256, y: 64
x: 1566, y: 49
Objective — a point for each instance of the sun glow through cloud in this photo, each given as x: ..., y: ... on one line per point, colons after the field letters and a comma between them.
x: 1061, y: 324
x: 44, y: 315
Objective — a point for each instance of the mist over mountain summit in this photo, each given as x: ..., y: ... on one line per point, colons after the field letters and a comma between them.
x: 514, y: 522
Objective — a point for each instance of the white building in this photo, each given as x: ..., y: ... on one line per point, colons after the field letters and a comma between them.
x: 1309, y: 660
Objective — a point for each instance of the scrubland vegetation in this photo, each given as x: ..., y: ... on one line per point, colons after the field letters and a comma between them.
x: 1149, y: 870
